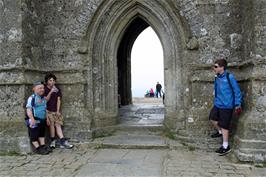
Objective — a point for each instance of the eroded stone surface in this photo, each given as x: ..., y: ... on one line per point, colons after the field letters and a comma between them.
x: 87, y: 44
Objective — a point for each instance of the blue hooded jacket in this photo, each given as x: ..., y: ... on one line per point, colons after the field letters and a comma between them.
x: 225, y: 98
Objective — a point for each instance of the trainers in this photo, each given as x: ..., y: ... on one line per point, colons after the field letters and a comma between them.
x: 222, y: 151
x: 47, y: 148
x: 216, y: 135
x: 65, y: 144
x: 41, y: 150
x: 52, y: 144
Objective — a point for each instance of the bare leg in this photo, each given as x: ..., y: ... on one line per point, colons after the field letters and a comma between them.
x: 41, y: 140
x: 225, y: 135
x: 59, y: 131
x: 35, y: 144
x: 215, y: 124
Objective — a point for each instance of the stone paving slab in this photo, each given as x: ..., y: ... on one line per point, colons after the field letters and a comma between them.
x: 132, y: 141
x: 115, y: 162
x: 83, y: 161
x: 202, y: 163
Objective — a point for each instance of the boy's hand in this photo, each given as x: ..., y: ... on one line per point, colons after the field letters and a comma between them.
x: 58, y: 114
x: 54, y: 89
x: 32, y: 123
x: 238, y: 110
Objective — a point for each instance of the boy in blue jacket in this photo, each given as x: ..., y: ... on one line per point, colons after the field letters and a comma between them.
x: 227, y: 98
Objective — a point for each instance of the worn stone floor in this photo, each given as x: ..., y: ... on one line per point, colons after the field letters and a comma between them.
x: 82, y: 161
x: 137, y: 152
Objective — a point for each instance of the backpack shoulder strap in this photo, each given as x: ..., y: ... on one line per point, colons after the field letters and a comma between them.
x: 33, y: 100
x: 229, y: 81
x: 230, y: 84
x: 32, y: 105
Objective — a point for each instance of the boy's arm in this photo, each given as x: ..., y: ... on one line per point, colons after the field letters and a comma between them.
x: 48, y: 96
x: 47, y: 118
x: 30, y: 115
x: 58, y: 106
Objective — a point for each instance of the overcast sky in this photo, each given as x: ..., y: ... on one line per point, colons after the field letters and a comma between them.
x: 146, y: 63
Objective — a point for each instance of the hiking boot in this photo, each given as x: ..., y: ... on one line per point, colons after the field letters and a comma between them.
x: 65, y: 144
x: 222, y: 151
x: 52, y: 144
x: 216, y: 135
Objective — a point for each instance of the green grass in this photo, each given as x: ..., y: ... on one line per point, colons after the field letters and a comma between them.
x: 98, y: 146
x: 191, y: 148
x: 260, y: 165
x: 12, y: 153
x: 169, y: 134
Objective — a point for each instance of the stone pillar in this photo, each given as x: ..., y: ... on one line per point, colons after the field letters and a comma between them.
x: 12, y: 89
x: 251, y: 139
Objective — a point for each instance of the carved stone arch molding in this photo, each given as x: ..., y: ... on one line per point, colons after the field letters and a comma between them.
x: 101, y: 43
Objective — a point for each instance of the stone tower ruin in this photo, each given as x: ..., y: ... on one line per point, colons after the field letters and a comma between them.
x: 87, y: 44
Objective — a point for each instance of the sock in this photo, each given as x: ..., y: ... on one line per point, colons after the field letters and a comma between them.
x: 220, y: 131
x: 225, y: 144
x: 52, y: 138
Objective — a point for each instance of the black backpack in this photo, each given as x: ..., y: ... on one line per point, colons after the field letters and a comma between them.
x: 32, y: 104
x: 229, y: 81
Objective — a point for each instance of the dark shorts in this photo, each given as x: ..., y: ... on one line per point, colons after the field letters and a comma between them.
x: 37, y: 132
x: 222, y: 116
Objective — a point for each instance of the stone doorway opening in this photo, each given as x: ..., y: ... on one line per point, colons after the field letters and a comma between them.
x: 135, y: 111
x: 109, y: 42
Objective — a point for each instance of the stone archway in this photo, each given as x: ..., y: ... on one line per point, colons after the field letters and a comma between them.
x: 124, y: 58
x: 105, y: 37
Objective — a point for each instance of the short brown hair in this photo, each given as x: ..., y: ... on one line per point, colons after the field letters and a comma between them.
x: 221, y: 63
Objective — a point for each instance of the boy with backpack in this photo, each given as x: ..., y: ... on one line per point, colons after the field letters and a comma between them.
x: 36, y: 119
x: 53, y: 96
x: 227, y: 98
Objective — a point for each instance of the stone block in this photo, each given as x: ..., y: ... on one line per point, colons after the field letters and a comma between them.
x: 236, y: 41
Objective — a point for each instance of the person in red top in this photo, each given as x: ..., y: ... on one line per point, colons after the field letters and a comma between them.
x: 53, y: 96
x: 151, y: 93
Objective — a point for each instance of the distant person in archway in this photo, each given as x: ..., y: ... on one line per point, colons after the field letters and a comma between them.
x: 158, y: 89
x: 227, y: 98
x: 147, y: 94
x: 151, y: 93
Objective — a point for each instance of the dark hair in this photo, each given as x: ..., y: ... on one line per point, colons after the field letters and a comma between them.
x: 221, y: 63
x: 49, y: 76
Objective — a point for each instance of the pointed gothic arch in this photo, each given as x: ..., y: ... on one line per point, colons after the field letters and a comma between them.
x: 109, y: 39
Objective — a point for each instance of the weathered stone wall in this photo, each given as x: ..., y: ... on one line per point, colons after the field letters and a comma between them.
x: 219, y: 36
x: 11, y: 33
x: 78, y: 41
x: 65, y: 24
x: 251, y: 133
x: 32, y: 31
x: 11, y: 90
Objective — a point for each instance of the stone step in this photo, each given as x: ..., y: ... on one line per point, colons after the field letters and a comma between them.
x: 156, y: 129
x: 204, y: 143
x: 140, y: 130
x: 123, y: 141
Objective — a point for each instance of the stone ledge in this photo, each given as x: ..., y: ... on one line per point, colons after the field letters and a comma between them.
x: 21, y: 76
x: 20, y: 145
x: 251, y: 155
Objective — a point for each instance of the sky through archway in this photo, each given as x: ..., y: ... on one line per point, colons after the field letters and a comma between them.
x: 146, y: 63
